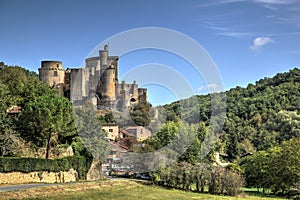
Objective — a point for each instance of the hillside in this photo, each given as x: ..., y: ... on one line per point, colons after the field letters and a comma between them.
x: 258, y: 117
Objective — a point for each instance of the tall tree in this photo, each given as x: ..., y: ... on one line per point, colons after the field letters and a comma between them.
x: 45, y: 119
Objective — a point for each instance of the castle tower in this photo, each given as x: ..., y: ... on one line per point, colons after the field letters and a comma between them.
x: 103, y: 55
x: 52, y: 73
x: 93, y: 62
x: 106, y: 89
x: 142, y: 94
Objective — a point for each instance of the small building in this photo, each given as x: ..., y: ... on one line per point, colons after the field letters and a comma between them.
x: 139, y: 132
x: 112, y: 130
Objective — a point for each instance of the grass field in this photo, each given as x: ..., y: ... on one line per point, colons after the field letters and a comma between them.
x: 120, y: 189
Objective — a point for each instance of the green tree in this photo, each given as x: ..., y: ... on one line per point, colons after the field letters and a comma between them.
x: 46, y: 119
x: 193, y: 153
x: 140, y: 113
x: 287, y: 124
x: 164, y: 136
x: 107, y: 118
x: 256, y: 170
x: 285, y: 166
x: 5, y: 101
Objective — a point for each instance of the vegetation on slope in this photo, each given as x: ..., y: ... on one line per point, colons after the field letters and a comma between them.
x: 258, y: 117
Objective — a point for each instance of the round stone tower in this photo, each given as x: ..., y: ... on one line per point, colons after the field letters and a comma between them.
x: 52, y: 73
x: 103, y: 55
x: 107, y: 84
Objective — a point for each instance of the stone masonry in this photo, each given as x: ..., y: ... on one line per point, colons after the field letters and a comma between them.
x: 97, y: 82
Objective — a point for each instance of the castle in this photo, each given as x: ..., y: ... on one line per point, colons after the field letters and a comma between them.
x: 97, y: 82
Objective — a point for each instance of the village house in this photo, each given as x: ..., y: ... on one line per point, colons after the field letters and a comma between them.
x: 111, y: 130
x: 139, y: 132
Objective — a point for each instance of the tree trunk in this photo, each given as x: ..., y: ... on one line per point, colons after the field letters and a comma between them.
x: 48, y: 146
x: 197, y: 184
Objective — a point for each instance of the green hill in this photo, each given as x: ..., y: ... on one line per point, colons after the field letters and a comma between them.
x: 258, y: 117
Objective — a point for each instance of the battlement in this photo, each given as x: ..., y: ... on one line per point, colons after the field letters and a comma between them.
x: 51, y: 65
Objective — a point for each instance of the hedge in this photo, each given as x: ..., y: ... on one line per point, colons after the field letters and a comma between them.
x: 14, y: 164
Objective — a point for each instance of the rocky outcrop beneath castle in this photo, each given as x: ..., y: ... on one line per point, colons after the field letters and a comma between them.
x: 39, y: 177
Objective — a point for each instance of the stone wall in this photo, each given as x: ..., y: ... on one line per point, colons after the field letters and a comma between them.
x: 39, y: 177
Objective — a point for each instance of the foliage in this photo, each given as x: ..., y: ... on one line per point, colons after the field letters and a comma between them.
x: 45, y: 120
x: 164, y: 136
x: 20, y: 87
x: 277, y: 169
x: 11, y: 144
x: 186, y: 140
x: 184, y: 176
x: 107, y: 118
x: 258, y: 117
x: 225, y: 181
x: 140, y: 113
x: 80, y: 164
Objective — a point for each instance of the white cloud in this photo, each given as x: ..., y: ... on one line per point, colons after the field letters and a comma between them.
x: 275, y: 1
x: 260, y: 41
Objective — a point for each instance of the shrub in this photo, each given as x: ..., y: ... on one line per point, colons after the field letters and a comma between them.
x: 224, y: 181
x: 13, y: 164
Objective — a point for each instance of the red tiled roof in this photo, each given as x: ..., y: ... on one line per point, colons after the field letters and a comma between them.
x: 125, y: 132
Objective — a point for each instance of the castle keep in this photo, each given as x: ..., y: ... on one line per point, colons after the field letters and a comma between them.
x: 97, y: 82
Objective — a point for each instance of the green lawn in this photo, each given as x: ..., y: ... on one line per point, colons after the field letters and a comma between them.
x: 123, y: 190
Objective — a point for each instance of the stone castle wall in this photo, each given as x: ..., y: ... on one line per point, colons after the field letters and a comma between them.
x: 98, y: 81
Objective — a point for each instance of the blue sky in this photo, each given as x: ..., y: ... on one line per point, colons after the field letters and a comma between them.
x: 246, y: 39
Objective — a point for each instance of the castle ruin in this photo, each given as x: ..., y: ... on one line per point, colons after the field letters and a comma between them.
x: 97, y: 82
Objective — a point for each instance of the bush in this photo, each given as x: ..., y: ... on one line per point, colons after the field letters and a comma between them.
x: 79, y: 163
x: 226, y: 182
x: 184, y: 175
